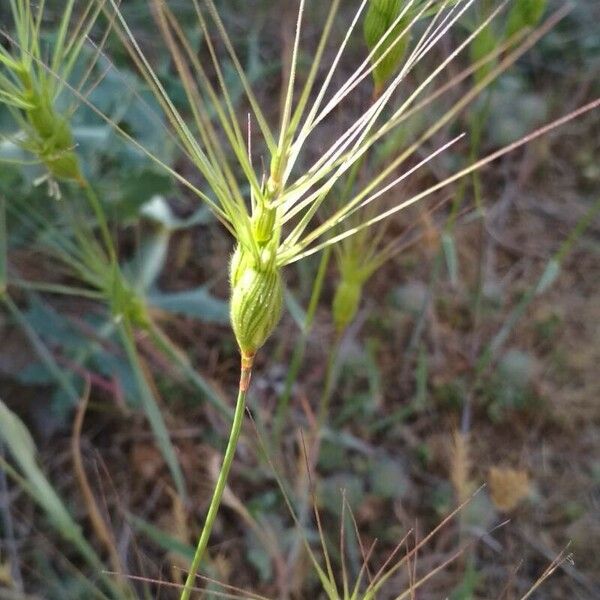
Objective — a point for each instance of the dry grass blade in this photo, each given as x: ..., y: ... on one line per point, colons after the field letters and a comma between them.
x: 99, y: 525
x: 550, y: 570
x: 236, y: 593
x: 19, y: 442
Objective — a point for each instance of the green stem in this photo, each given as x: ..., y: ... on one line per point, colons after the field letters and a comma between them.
x: 330, y: 380
x: 299, y: 349
x: 236, y: 427
x: 3, y: 246
x: 182, y: 361
x: 53, y: 288
x: 101, y: 217
x: 151, y: 408
x: 554, y: 264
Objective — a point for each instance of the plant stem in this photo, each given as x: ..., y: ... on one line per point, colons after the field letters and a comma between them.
x: 101, y: 217
x: 546, y: 279
x: 331, y: 373
x: 322, y: 417
x: 236, y: 428
x: 182, y: 361
x: 150, y: 406
x: 3, y: 247
x: 299, y: 349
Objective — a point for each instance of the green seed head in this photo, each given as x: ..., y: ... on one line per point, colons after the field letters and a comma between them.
x: 125, y: 302
x: 52, y: 140
x: 256, y: 299
x: 59, y: 157
x: 345, y: 303
x: 263, y: 224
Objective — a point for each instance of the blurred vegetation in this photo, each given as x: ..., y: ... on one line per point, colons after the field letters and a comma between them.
x: 455, y: 346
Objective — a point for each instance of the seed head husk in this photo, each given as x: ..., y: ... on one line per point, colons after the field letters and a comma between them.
x: 256, y: 299
x: 51, y: 140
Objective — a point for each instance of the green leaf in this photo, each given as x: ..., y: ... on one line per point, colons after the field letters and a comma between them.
x: 549, y: 276
x: 15, y: 435
x: 21, y: 446
x: 157, y: 209
x: 388, y: 478
x: 449, y: 246
x: 297, y: 313
x: 524, y: 13
x: 196, y: 303
x: 379, y: 18
x: 162, y: 539
x: 480, y: 47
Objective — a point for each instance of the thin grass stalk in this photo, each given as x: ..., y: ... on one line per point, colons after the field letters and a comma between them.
x: 101, y: 218
x: 299, y: 349
x: 542, y: 284
x: 322, y: 415
x: 215, y: 502
x: 3, y: 248
x: 285, y: 134
x: 30, y: 478
x: 262, y: 121
x: 181, y: 360
x: 210, y: 139
x: 54, y: 288
x: 9, y: 527
x: 100, y: 527
x: 331, y: 374
x: 554, y: 565
x: 126, y: 334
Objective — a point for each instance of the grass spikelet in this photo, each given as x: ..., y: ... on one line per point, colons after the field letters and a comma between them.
x: 31, y: 94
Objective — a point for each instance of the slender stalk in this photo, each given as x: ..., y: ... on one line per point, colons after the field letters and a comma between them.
x: 11, y: 540
x: 299, y: 349
x: 150, y: 405
x: 100, y: 216
x: 182, y: 361
x: 322, y: 417
x: 236, y: 428
x: 51, y: 288
x: 545, y: 280
x: 331, y: 373
x: 3, y: 247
